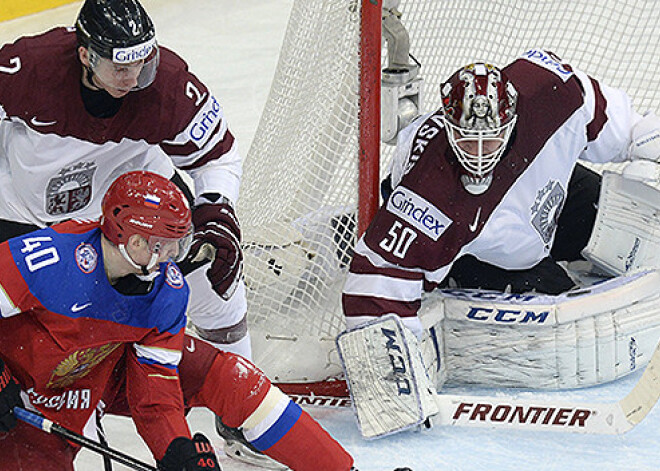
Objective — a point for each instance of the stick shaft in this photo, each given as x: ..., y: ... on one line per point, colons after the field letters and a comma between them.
x: 50, y: 427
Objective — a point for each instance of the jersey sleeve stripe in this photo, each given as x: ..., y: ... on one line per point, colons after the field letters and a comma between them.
x: 221, y: 146
x: 362, y: 265
x: 154, y: 355
x: 183, y: 144
x: 600, y: 117
x: 356, y: 306
x: 383, y: 287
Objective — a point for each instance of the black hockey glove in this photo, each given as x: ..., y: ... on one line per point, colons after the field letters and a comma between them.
x: 184, y: 454
x: 217, y: 238
x: 10, y: 397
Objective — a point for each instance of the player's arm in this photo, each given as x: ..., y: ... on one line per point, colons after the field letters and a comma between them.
x: 615, y: 130
x: 154, y: 391
x: 205, y: 149
x: 375, y: 287
x: 156, y: 402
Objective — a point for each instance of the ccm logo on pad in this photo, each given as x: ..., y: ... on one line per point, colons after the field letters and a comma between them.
x: 412, y: 208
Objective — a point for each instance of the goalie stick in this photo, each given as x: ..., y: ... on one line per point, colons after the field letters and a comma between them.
x: 51, y: 427
x: 597, y: 418
x: 381, y: 409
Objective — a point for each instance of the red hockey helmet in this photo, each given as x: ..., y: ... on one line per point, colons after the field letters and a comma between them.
x: 150, y: 205
x: 479, y: 105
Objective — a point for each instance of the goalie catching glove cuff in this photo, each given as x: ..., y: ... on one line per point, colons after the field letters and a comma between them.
x: 217, y: 238
x: 10, y: 397
x: 184, y: 454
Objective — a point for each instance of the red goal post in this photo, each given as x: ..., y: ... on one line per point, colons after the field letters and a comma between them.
x: 311, y: 177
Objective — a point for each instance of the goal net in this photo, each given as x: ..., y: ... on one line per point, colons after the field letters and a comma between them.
x: 299, y: 207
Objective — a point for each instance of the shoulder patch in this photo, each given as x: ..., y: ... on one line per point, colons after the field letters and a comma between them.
x: 418, y: 212
x: 86, y: 257
x: 206, y: 120
x: 173, y: 276
x: 548, y: 61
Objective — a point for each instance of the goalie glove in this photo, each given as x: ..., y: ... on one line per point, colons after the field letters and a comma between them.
x: 217, y: 238
x: 645, y: 137
x: 184, y: 454
x: 10, y: 397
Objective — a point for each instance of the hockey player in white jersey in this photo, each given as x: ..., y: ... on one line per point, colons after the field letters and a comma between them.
x: 487, y: 193
x: 79, y: 106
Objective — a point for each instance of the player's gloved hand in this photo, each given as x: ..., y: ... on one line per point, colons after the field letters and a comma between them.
x: 184, y: 454
x: 10, y: 397
x: 217, y: 238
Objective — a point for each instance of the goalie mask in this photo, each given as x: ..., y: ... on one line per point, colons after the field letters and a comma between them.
x: 121, y: 41
x: 479, y: 105
x: 151, y: 206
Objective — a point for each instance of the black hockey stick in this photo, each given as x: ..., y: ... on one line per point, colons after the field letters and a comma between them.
x: 104, y: 450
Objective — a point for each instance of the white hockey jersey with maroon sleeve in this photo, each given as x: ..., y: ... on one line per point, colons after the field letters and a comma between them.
x: 57, y: 160
x: 430, y: 220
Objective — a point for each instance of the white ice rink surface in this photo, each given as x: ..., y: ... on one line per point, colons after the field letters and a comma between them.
x: 232, y: 45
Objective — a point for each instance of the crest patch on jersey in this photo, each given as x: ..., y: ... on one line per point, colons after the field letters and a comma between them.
x: 71, y: 189
x: 419, y: 213
x: 546, y: 209
x: 173, y: 276
x: 79, y: 364
x: 86, y: 257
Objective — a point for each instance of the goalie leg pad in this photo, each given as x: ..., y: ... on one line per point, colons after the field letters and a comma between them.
x: 385, y: 372
x: 581, y: 338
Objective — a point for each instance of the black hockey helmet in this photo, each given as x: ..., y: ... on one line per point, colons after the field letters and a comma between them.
x: 110, y: 24
x: 120, y: 31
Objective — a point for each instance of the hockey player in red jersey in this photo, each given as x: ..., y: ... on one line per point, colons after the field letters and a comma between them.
x: 68, y: 319
x: 79, y: 106
x: 487, y: 191
x: 93, y: 318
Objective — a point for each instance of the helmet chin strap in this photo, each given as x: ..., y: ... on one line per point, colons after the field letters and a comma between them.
x: 144, y: 269
x: 89, y: 76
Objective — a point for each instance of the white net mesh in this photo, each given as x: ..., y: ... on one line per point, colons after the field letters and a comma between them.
x: 299, y: 190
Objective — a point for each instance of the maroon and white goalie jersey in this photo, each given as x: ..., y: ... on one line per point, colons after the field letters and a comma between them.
x: 57, y: 160
x: 430, y: 220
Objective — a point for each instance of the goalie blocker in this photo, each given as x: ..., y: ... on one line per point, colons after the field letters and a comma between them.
x: 584, y: 337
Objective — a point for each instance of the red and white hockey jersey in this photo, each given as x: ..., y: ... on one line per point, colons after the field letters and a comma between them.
x: 57, y: 160
x: 64, y: 329
x: 430, y: 220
